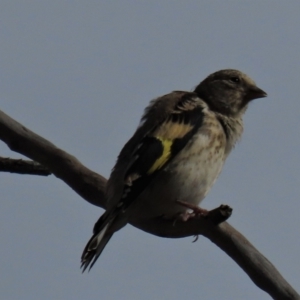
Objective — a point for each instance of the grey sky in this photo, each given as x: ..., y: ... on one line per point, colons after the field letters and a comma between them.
x: 79, y: 73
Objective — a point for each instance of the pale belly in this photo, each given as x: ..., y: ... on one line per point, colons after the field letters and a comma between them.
x: 187, y: 179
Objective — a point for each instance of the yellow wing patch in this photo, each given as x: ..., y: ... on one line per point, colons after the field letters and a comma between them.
x: 166, y: 134
x: 167, y: 144
x: 172, y: 130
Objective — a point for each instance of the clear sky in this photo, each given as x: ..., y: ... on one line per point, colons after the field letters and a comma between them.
x: 80, y: 73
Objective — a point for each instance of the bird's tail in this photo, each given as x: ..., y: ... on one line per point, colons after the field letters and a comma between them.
x: 97, y: 242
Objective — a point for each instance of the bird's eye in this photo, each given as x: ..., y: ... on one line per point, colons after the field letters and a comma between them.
x: 235, y: 79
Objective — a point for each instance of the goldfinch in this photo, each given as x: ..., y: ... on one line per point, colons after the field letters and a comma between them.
x: 174, y: 157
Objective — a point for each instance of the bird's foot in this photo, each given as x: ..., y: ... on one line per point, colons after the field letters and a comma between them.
x: 197, y: 211
x: 185, y: 216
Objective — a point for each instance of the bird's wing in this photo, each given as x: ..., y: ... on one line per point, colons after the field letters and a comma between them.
x: 166, y: 127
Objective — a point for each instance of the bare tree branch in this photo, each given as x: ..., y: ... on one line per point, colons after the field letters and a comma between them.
x: 91, y: 186
x: 21, y: 166
x: 88, y: 184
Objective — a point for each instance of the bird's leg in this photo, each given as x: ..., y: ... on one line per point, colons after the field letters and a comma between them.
x: 185, y: 216
x: 197, y: 211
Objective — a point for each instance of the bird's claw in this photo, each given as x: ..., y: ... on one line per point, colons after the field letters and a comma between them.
x: 197, y: 211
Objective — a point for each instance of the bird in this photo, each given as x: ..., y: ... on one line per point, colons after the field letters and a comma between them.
x: 175, y: 155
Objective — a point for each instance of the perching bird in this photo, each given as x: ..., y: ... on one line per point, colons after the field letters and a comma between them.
x: 174, y: 157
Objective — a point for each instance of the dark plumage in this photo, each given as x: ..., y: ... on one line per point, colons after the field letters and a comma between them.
x: 176, y: 154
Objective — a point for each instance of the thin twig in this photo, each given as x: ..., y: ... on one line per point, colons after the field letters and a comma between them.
x: 21, y: 166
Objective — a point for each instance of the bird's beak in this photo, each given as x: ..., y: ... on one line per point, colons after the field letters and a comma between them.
x: 255, y: 92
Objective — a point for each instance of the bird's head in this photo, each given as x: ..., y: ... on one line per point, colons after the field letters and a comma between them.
x: 228, y: 91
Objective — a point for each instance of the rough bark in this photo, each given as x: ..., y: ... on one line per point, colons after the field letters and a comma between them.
x: 21, y: 166
x: 90, y: 186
